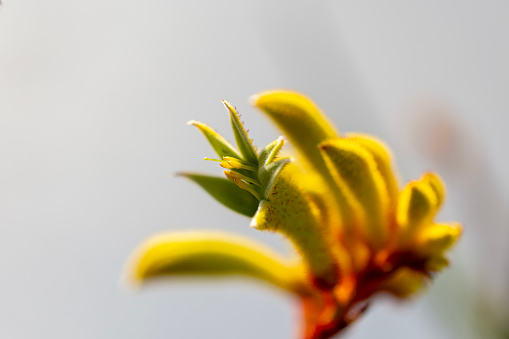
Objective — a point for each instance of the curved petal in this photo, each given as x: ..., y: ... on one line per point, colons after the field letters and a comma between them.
x: 355, y: 172
x: 404, y: 282
x: 213, y: 253
x: 437, y: 185
x: 383, y: 159
x: 436, y: 264
x: 435, y: 239
x: 431, y: 243
x: 299, y: 119
x: 291, y: 212
x: 305, y: 126
x: 417, y: 206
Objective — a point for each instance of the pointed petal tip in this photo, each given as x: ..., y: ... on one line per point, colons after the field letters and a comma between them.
x: 287, y: 160
x: 200, y: 125
x: 228, y: 105
x: 132, y: 277
x: 280, y: 141
x: 187, y: 175
x: 254, y: 220
x: 253, y: 223
x: 245, y: 145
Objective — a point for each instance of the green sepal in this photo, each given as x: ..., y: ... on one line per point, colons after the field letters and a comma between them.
x: 269, y: 152
x: 244, y: 144
x: 269, y: 173
x: 268, y: 168
x: 226, y: 192
x: 218, y: 142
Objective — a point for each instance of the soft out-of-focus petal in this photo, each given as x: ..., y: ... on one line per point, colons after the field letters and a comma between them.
x: 213, y: 253
x: 305, y: 126
x: 417, y: 206
x: 437, y: 263
x: 383, y: 159
x: 355, y: 172
x: 437, y: 185
x: 435, y: 239
x: 404, y: 282
x: 300, y: 119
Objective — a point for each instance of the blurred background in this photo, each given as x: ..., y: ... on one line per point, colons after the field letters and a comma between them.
x: 94, y: 97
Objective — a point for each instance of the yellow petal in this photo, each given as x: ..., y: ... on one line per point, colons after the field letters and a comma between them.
x: 435, y: 239
x: 355, y: 172
x: 306, y: 127
x: 383, y: 159
x: 436, y: 264
x: 291, y: 212
x: 437, y: 185
x: 300, y: 120
x: 417, y: 206
x: 213, y: 253
x: 418, y: 203
x: 404, y: 282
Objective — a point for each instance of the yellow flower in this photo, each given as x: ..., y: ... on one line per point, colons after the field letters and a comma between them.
x: 338, y: 202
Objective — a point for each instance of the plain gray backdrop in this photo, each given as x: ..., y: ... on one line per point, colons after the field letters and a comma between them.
x: 94, y: 97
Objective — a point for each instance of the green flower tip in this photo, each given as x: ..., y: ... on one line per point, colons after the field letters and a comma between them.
x: 251, y: 171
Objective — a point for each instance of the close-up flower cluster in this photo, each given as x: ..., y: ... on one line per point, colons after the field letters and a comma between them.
x: 356, y: 230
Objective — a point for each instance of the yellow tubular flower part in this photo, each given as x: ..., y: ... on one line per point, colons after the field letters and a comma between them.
x: 437, y: 185
x: 214, y: 253
x: 404, y: 282
x: 417, y: 206
x: 338, y: 202
x: 306, y: 127
x: 383, y: 159
x: 356, y: 174
x: 290, y: 212
x: 299, y: 119
x: 436, y: 239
